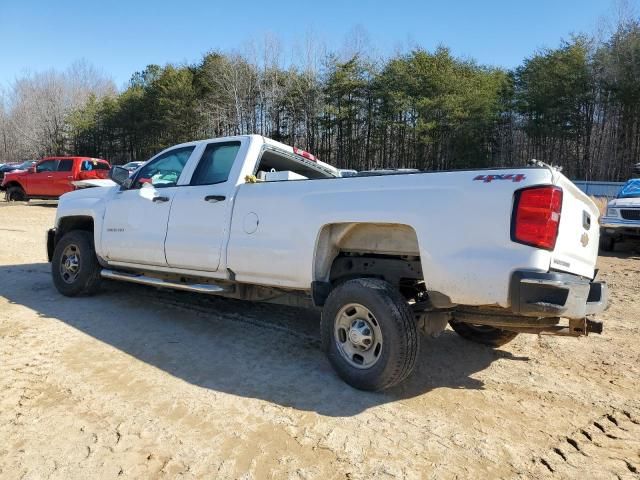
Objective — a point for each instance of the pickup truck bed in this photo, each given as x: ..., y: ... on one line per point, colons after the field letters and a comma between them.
x: 493, y: 253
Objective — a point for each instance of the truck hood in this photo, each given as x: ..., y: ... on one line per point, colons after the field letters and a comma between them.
x: 83, y: 193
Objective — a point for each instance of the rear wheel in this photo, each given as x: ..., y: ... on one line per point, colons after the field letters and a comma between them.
x: 484, y: 334
x: 16, y: 194
x: 369, y: 334
x: 74, y: 266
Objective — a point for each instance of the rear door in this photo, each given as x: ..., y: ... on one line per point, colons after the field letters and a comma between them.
x: 60, y: 182
x: 576, y: 248
x: 200, y: 212
x: 135, y: 221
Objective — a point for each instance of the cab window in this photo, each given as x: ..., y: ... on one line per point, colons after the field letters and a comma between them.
x: 47, y: 166
x: 165, y: 170
x: 215, y: 163
x: 65, y: 165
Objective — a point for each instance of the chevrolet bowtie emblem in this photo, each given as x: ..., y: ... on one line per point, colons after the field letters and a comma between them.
x: 584, y: 239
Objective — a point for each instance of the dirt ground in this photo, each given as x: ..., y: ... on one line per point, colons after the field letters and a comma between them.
x: 134, y: 383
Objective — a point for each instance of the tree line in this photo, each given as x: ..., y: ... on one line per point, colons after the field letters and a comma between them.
x: 576, y: 106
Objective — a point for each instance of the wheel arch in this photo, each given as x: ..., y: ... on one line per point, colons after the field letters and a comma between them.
x: 73, y: 222
x: 389, y: 240
x: 13, y: 183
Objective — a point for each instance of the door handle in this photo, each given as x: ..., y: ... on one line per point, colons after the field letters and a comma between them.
x: 49, y: 176
x: 161, y: 199
x: 214, y: 198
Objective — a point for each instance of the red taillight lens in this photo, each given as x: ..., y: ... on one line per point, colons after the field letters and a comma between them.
x: 536, y: 216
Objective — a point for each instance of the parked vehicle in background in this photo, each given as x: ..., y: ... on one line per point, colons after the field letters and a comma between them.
x: 132, y: 166
x: 52, y: 177
x: 622, y: 220
x: 13, y: 167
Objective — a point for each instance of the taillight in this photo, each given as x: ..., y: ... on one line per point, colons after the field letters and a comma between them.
x: 536, y: 216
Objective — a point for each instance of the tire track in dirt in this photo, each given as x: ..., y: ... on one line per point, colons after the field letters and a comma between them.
x: 606, y: 447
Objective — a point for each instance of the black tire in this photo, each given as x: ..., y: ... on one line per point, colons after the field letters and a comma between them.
x: 399, y: 340
x: 607, y: 243
x: 16, y: 194
x: 486, y: 335
x: 86, y: 280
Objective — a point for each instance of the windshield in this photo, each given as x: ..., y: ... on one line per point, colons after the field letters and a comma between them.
x: 631, y: 189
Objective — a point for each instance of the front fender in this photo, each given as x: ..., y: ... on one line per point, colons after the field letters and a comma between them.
x: 90, y: 202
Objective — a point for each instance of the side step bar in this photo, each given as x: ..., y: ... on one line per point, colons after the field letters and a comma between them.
x: 157, y: 282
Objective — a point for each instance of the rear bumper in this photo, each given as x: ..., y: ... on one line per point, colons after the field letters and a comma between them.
x: 552, y: 294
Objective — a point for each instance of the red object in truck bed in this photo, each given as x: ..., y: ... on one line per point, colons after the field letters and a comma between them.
x: 52, y: 176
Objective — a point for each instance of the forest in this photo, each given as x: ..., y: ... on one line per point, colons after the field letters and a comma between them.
x: 576, y: 106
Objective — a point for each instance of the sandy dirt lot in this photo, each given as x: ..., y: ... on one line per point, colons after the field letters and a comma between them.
x: 135, y: 383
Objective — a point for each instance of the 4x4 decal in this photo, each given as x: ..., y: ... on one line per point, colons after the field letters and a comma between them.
x: 514, y: 177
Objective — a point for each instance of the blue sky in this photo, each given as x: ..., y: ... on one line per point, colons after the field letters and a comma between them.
x: 121, y: 37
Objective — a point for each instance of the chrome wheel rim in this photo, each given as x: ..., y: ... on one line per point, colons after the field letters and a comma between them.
x: 70, y: 263
x: 358, y: 336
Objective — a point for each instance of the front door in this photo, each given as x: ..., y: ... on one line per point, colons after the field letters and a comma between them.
x: 39, y: 182
x: 200, y: 212
x: 135, y: 221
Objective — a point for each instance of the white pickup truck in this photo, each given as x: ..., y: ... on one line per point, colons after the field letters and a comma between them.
x: 493, y: 252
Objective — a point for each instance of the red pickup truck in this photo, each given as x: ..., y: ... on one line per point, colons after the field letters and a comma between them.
x: 52, y: 176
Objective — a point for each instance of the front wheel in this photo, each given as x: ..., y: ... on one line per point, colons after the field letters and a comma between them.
x: 16, y: 194
x: 74, y: 266
x: 484, y: 334
x: 369, y: 334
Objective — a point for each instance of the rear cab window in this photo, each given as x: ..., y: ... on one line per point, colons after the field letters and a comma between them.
x: 276, y: 165
x: 65, y: 165
x: 215, y: 164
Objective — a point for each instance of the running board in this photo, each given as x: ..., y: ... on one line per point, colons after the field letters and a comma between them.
x: 157, y: 282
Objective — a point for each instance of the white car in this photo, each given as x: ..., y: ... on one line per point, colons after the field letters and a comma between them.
x: 623, y: 216
x: 492, y: 252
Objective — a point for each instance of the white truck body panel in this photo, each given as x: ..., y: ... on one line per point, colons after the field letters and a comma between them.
x: 576, y: 247
x: 268, y: 233
x: 470, y: 261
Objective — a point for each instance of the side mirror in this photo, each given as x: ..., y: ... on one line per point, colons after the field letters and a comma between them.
x: 120, y: 175
x: 32, y: 169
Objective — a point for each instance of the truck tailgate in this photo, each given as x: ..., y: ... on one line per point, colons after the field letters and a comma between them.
x: 578, y: 235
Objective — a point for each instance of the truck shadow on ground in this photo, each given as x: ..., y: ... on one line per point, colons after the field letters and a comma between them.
x: 30, y: 203
x: 253, y: 350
